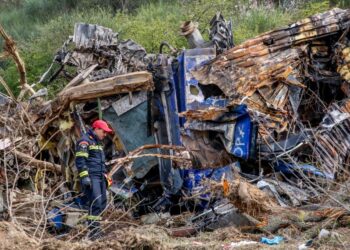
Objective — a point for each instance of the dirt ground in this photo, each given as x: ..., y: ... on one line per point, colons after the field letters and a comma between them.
x: 151, y: 237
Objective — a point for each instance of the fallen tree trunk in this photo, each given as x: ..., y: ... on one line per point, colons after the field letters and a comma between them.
x: 266, y: 216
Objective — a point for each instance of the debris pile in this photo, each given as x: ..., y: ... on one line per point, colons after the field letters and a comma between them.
x: 254, y: 136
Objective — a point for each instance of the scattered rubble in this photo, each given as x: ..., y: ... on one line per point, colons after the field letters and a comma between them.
x: 254, y: 137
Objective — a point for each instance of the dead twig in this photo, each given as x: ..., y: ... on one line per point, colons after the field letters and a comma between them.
x: 38, y: 163
x: 11, y: 49
x: 7, y: 88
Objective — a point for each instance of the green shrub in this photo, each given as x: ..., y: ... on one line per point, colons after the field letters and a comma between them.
x: 259, y: 20
x: 152, y: 24
x: 313, y: 7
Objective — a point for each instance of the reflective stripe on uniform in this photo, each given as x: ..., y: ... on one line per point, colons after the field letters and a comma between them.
x: 82, y: 154
x: 94, y: 217
x: 83, y: 173
x: 95, y: 147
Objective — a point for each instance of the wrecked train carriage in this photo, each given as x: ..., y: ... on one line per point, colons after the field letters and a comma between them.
x: 287, y: 78
x: 139, y: 106
x: 217, y: 128
x: 220, y: 112
x: 270, y: 71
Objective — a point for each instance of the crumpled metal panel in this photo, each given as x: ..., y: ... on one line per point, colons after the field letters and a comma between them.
x: 300, y: 169
x: 207, y: 150
x: 195, y: 179
x: 192, y: 94
x: 244, y: 76
x: 132, y: 54
x: 98, y: 45
x: 285, y: 194
x: 124, y: 105
x: 221, y: 32
x: 235, y: 130
x: 88, y: 36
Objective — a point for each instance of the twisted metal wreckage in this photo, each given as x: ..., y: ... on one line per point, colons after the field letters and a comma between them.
x: 203, y: 129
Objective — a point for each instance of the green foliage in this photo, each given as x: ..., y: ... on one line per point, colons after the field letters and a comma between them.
x: 10, y: 75
x: 344, y: 4
x: 256, y: 21
x: 23, y: 21
x: 152, y: 24
x: 314, y: 6
x: 41, y: 26
x: 340, y: 3
x: 24, y: 17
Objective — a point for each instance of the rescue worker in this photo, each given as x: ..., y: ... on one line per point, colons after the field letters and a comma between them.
x: 90, y: 162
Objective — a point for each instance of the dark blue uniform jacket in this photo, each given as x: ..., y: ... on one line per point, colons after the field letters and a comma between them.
x: 90, y: 158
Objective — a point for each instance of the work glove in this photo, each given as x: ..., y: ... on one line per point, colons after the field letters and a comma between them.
x: 86, y: 182
x: 109, y: 181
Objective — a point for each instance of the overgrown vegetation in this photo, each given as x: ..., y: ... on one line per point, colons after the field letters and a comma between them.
x: 41, y: 26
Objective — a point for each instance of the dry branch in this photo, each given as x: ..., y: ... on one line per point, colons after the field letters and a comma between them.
x: 38, y: 163
x: 11, y: 49
x: 7, y: 88
x: 121, y: 162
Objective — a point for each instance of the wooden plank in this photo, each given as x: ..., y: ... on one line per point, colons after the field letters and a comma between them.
x: 138, y: 81
x: 114, y: 85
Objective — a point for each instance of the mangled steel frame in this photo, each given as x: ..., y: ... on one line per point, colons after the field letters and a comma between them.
x: 276, y: 104
x: 269, y: 74
x: 281, y: 75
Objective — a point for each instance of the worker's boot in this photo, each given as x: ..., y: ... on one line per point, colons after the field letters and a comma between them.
x: 95, y: 231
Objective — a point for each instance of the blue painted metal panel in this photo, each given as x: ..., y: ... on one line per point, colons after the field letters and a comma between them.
x: 194, y: 179
x: 307, y: 169
x: 243, y: 133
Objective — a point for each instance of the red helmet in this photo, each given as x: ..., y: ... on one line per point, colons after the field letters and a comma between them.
x: 102, y: 125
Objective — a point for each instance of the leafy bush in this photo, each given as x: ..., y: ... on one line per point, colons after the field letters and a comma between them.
x: 152, y: 24
x: 312, y: 7
x: 259, y: 20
